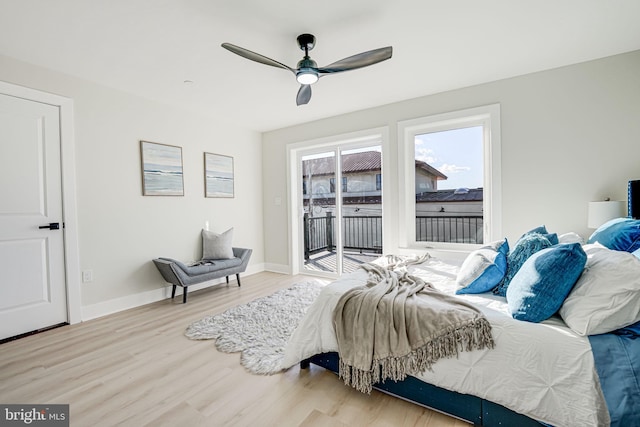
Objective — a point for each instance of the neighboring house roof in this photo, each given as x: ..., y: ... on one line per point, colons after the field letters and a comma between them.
x: 430, y: 170
x: 440, y: 196
x: 361, y: 162
x: 458, y: 195
x: 354, y: 162
x: 366, y: 161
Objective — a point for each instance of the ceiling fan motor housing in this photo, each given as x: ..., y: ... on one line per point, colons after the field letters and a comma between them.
x: 307, y: 62
x: 306, y: 41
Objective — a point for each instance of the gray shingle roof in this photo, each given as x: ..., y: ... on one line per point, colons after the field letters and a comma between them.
x: 441, y: 196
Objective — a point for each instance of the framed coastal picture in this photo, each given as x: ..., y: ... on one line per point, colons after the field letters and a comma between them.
x: 161, y: 169
x: 218, y: 175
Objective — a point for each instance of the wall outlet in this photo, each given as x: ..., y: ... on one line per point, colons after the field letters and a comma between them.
x: 87, y: 276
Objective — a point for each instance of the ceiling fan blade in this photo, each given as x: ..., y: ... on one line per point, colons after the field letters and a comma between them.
x: 255, y: 56
x: 360, y: 60
x: 304, y: 95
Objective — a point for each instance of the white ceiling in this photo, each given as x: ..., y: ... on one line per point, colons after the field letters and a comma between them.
x: 150, y: 47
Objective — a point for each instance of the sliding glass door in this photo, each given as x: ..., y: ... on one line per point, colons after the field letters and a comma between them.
x: 319, y: 209
x: 361, y: 207
x: 342, y: 207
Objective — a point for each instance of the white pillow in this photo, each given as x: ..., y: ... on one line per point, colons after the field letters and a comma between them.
x: 217, y: 246
x: 570, y: 237
x: 606, y: 297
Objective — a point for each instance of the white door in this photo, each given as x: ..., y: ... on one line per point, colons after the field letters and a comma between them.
x: 32, y: 275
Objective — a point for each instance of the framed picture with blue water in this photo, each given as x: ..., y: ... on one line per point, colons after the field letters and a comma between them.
x: 161, y: 169
x: 218, y: 175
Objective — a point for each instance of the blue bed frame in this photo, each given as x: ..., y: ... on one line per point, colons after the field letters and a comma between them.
x: 470, y: 408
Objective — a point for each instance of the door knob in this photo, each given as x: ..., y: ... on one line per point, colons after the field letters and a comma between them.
x: 51, y: 226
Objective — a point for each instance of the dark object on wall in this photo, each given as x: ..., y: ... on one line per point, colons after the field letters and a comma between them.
x: 634, y: 199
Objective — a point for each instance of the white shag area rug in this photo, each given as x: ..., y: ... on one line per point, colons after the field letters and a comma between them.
x: 259, y: 329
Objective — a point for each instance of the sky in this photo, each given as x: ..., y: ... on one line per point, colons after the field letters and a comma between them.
x: 456, y: 153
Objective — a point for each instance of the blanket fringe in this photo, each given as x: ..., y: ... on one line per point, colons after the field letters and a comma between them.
x: 475, y: 335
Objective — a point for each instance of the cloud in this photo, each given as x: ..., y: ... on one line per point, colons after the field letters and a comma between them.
x: 450, y: 169
x: 426, y: 155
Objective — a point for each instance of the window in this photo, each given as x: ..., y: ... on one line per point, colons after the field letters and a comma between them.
x: 378, y: 182
x: 344, y: 184
x: 451, y: 168
x: 332, y: 185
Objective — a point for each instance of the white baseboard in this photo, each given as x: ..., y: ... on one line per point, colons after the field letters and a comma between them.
x: 93, y: 311
x: 277, y: 268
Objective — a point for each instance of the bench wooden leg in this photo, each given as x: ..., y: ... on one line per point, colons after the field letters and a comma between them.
x: 238, y: 277
x: 184, y: 294
x: 173, y: 292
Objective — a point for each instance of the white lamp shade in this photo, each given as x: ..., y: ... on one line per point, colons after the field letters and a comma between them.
x: 601, y: 212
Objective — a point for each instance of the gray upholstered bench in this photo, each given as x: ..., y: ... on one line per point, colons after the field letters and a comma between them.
x: 180, y: 274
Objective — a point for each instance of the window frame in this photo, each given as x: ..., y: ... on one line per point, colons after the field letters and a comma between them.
x: 489, y: 118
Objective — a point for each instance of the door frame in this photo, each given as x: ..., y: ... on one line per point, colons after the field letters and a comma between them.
x: 294, y: 187
x: 69, y: 205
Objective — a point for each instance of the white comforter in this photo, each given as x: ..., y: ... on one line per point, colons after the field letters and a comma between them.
x: 544, y: 371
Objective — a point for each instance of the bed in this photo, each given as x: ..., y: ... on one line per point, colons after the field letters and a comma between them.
x: 537, y: 374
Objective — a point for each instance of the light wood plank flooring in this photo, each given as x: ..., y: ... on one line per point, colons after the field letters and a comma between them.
x: 136, y: 368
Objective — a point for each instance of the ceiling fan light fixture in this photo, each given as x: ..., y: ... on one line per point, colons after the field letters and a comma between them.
x: 307, y: 71
x: 307, y: 77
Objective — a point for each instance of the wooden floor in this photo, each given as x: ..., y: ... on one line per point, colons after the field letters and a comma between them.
x: 136, y: 368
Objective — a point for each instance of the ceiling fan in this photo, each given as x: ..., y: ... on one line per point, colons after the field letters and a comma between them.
x: 307, y: 71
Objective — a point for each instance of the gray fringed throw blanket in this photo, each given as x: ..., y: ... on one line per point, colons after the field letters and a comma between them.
x: 397, y: 325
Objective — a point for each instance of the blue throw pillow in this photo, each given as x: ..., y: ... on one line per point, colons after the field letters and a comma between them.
x: 620, y: 234
x: 542, y: 284
x: 483, y: 269
x: 552, y: 237
x: 538, y: 230
x: 528, y: 245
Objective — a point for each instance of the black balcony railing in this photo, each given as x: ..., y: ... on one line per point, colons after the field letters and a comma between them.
x: 454, y: 229
x: 318, y: 234
x: 364, y: 233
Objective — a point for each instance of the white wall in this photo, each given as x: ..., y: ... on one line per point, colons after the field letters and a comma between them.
x: 121, y: 231
x: 569, y: 136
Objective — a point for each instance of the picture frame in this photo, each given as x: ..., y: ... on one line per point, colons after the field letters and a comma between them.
x: 218, y: 176
x: 162, y: 172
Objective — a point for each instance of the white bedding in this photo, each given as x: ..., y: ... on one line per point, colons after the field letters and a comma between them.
x: 544, y: 370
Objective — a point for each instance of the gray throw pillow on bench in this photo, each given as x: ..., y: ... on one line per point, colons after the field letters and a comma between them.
x: 217, y: 246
